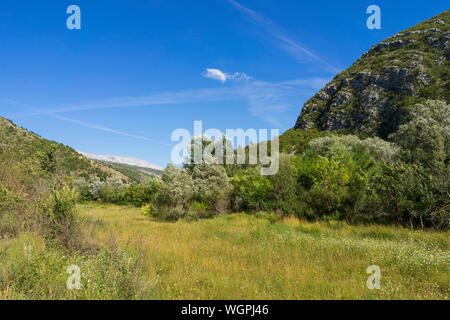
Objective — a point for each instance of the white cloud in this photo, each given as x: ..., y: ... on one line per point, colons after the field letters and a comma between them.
x: 239, y: 76
x: 215, y: 74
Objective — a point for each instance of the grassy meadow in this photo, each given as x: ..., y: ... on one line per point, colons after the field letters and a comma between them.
x: 236, y: 256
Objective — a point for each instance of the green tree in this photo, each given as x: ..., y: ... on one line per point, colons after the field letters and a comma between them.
x: 176, y: 192
x: 410, y: 194
x: 212, y: 186
x: 284, y: 187
x: 251, y: 191
x: 426, y: 138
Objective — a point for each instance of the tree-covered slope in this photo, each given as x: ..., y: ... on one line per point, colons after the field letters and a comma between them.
x: 19, y: 144
x: 135, y: 173
x: 375, y: 94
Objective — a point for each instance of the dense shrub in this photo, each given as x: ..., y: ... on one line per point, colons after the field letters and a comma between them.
x: 379, y: 149
x: 412, y: 195
x: 284, y: 188
x: 113, y: 190
x: 425, y: 139
x: 323, y: 184
x: 175, y: 193
x: 33, y: 200
x: 421, y: 182
x: 296, y: 141
x: 12, y: 207
x: 197, y: 191
x: 212, y: 187
x: 251, y: 191
x: 59, y: 216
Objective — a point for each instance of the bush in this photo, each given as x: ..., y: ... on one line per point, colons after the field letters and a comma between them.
x: 113, y: 190
x: 425, y: 139
x: 271, y: 217
x: 176, y: 188
x: 379, y: 149
x: 411, y: 195
x: 323, y: 184
x: 212, y: 187
x: 139, y: 194
x: 284, y: 187
x: 251, y: 190
x: 197, y: 191
x: 198, y: 210
x: 60, y: 218
x: 146, y: 210
x: 12, y: 208
x: 169, y: 214
x: 296, y: 141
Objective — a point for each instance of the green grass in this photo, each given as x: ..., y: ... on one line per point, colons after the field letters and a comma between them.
x: 235, y: 256
x: 32, y: 269
x: 243, y: 257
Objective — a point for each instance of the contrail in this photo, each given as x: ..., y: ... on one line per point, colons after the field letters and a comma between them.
x: 290, y: 46
x: 78, y: 122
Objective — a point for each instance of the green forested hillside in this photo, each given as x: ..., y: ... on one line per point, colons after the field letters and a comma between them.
x: 19, y: 144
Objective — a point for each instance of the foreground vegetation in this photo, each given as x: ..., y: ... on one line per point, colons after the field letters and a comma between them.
x: 303, y: 234
x: 235, y: 256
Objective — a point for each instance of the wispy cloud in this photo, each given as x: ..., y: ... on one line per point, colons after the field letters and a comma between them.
x: 217, y: 74
x: 239, y: 76
x: 314, y: 83
x: 77, y: 122
x: 292, y: 47
x: 163, y: 98
x: 269, y: 101
x: 105, y: 129
x: 266, y: 100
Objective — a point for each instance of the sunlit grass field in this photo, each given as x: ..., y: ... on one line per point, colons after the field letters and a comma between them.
x: 246, y: 257
x: 234, y: 256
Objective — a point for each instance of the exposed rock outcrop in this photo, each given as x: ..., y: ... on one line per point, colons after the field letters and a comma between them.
x: 375, y: 94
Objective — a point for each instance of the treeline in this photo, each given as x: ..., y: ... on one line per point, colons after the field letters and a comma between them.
x: 115, y: 190
x: 325, y: 176
x: 321, y: 175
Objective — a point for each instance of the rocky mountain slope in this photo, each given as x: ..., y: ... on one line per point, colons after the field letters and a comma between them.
x: 375, y: 94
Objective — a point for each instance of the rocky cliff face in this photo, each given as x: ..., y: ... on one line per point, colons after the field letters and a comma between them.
x: 375, y: 94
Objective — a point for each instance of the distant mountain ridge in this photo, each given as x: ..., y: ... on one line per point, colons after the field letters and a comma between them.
x: 121, y: 160
x: 375, y: 94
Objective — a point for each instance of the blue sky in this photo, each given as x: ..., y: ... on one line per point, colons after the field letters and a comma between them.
x: 137, y: 70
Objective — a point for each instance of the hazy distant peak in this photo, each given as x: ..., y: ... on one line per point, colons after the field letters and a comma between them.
x: 121, y: 160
